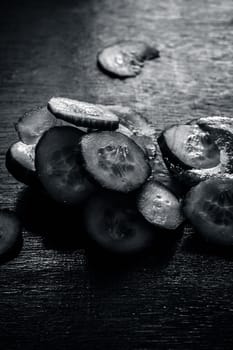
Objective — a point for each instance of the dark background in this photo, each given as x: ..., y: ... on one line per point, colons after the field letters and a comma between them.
x: 56, y: 294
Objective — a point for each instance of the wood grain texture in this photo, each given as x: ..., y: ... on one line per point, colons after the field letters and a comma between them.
x: 55, y: 293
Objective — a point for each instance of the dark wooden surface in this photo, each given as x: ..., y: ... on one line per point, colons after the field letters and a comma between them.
x: 54, y: 294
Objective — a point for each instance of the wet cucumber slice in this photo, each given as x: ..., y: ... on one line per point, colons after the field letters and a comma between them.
x: 114, y: 161
x: 209, y: 154
x: 58, y: 165
x: 10, y: 232
x: 209, y: 207
x: 126, y: 59
x: 160, y: 206
x: 112, y: 221
x: 20, y: 162
x: 33, y: 124
x: 187, y: 147
x: 83, y: 113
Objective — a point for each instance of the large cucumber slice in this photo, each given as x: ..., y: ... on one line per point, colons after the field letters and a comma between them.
x: 59, y: 165
x: 113, y: 222
x: 114, y: 160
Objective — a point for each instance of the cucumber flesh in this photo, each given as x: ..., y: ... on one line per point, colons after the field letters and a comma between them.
x: 33, y: 124
x: 20, y: 162
x: 160, y: 206
x: 59, y: 165
x: 126, y: 59
x: 83, y: 113
x: 115, y: 161
x: 112, y: 221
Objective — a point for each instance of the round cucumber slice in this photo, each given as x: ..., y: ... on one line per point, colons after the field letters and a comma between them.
x: 160, y: 206
x: 209, y: 207
x: 112, y: 221
x: 59, y: 165
x: 114, y: 160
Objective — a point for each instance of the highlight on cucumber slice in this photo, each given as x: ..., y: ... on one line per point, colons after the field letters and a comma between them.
x: 160, y: 206
x: 58, y: 165
x: 114, y: 161
x: 209, y: 207
x: 126, y: 59
x: 83, y: 113
x: 20, y: 162
x: 10, y: 232
x: 34, y: 123
x: 112, y: 221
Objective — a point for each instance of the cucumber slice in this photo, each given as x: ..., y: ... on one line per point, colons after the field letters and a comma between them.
x: 126, y: 59
x: 83, y: 113
x: 112, y: 221
x: 115, y: 161
x: 20, y: 162
x: 33, y: 124
x: 58, y: 165
x: 209, y: 154
x: 160, y: 206
x: 209, y: 207
x: 187, y: 147
x: 10, y: 232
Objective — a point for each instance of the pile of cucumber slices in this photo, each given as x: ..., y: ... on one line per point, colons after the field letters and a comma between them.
x: 82, y: 155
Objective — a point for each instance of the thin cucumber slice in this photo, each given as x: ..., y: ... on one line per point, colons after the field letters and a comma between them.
x: 20, y: 162
x: 34, y: 123
x: 126, y: 59
x: 114, y: 161
x: 160, y: 206
x: 59, y: 165
x: 83, y: 113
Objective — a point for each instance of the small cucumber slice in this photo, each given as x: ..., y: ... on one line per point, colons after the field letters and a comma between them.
x: 209, y: 207
x: 112, y: 221
x: 114, y: 160
x: 20, y: 162
x: 187, y: 147
x: 10, y: 232
x: 33, y: 124
x: 160, y: 206
x: 58, y: 165
x: 83, y: 113
x: 126, y: 59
